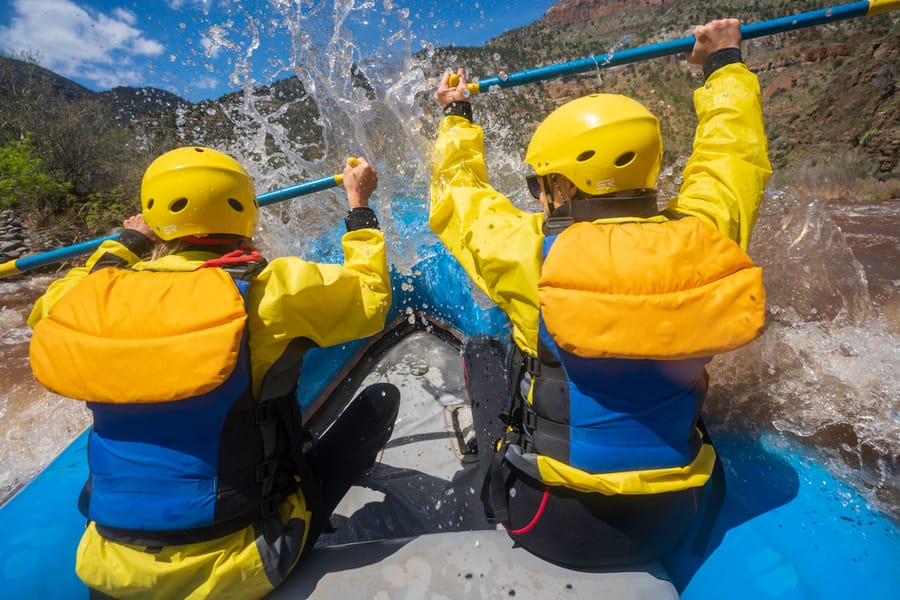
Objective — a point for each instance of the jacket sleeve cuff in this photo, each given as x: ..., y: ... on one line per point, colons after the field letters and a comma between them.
x: 136, y: 241
x: 362, y: 217
x: 719, y: 59
x: 460, y: 108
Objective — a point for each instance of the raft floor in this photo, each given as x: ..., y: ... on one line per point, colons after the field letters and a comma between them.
x: 413, y: 527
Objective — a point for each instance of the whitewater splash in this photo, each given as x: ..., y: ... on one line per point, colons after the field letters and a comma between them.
x: 36, y: 424
x: 825, y: 372
x: 827, y: 369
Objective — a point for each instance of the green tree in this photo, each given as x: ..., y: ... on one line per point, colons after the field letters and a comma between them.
x: 77, y: 138
x: 25, y: 184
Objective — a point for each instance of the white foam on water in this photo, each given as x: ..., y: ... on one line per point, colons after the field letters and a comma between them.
x: 35, y: 425
x: 827, y: 369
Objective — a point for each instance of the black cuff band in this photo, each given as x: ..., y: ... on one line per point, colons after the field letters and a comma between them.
x: 719, y: 59
x: 460, y: 108
x: 361, y: 217
x: 136, y: 241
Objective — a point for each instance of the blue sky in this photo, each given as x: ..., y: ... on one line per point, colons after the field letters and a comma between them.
x: 191, y: 47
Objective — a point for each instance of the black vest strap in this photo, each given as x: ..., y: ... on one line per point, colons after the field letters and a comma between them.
x: 109, y: 260
x: 640, y: 204
x: 279, y: 391
x: 154, y: 540
x: 494, y: 496
x: 714, y: 501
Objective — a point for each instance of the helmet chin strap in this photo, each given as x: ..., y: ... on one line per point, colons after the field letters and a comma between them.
x: 562, y: 195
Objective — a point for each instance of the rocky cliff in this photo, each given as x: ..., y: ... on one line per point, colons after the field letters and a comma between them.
x: 830, y: 92
x: 568, y: 11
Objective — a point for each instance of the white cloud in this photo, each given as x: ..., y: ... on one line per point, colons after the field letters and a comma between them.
x: 211, y: 48
x: 178, y: 4
x: 79, y: 42
x: 107, y: 79
x: 125, y: 15
x: 147, y: 47
x: 204, y: 83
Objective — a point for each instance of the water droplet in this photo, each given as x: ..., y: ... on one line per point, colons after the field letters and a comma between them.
x: 503, y: 76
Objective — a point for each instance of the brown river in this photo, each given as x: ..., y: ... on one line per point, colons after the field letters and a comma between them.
x: 826, y: 372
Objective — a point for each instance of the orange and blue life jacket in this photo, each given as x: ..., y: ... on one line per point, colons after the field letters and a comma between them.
x: 611, y: 402
x: 180, y: 450
x: 164, y: 467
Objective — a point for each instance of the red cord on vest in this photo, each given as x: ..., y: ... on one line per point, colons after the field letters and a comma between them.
x: 536, y: 517
x: 237, y: 256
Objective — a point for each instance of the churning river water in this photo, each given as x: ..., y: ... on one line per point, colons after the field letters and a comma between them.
x: 826, y: 372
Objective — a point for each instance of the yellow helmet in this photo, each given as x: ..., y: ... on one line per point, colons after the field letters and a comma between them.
x: 603, y: 143
x: 198, y: 191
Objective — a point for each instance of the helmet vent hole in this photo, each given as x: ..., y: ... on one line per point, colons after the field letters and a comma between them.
x: 178, y: 205
x: 625, y: 159
x: 236, y: 205
x: 149, y: 203
x: 587, y: 154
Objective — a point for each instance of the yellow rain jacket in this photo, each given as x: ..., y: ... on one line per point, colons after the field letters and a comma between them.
x: 289, y: 298
x: 501, y: 248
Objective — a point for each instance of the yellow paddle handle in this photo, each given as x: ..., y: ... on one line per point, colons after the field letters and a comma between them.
x: 882, y: 6
x: 474, y: 88
x: 339, y: 178
x: 8, y: 268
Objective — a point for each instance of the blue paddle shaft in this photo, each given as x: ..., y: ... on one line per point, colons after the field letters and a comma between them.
x: 53, y: 256
x: 683, y: 45
x: 295, y: 191
x: 60, y: 254
x: 582, y: 65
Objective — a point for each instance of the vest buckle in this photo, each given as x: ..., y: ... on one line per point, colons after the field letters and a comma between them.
x: 265, y: 470
x: 529, y: 418
x: 264, y: 412
x: 533, y: 365
x: 267, y: 506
